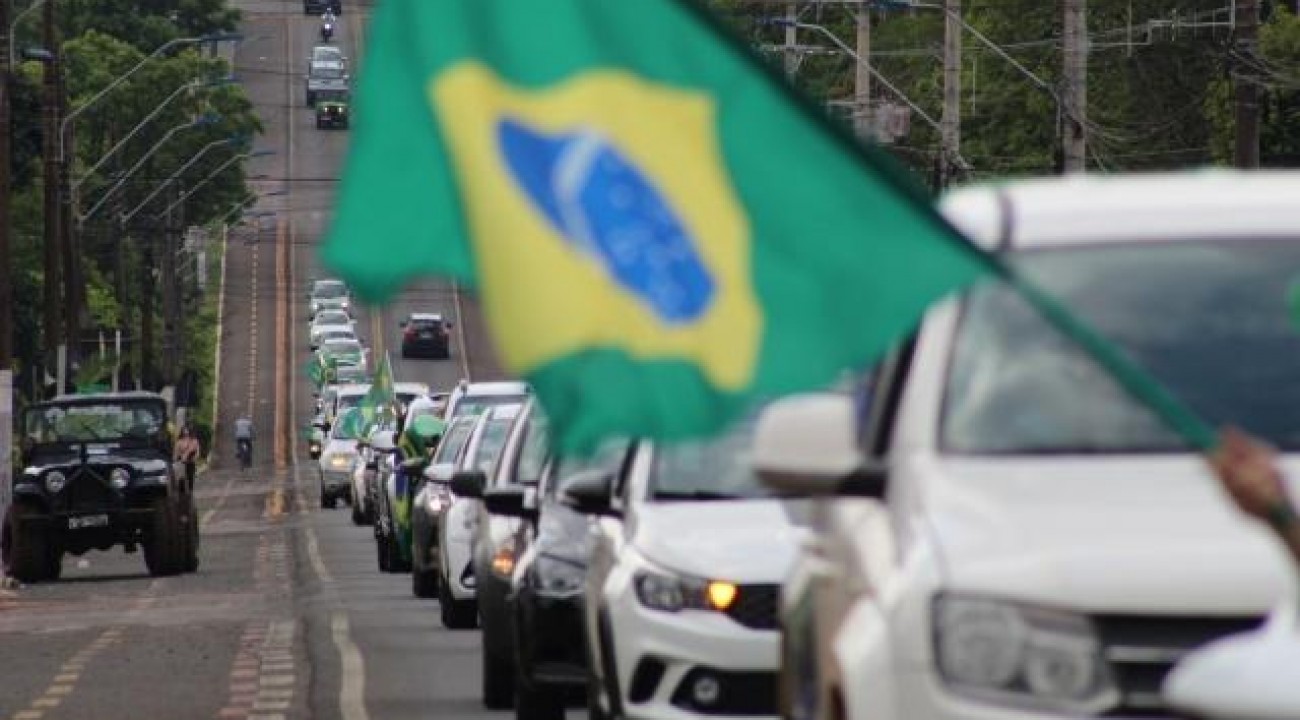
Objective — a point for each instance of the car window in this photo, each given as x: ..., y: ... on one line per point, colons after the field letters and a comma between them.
x: 490, y: 444
x: 475, y: 404
x: 452, y: 442
x: 329, y: 290
x: 714, y: 469
x: 99, y: 422
x: 1209, y: 320
x: 608, y: 457
x: 534, y: 451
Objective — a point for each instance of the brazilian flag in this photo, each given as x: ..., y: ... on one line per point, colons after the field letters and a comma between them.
x: 661, y: 232
x: 380, y: 401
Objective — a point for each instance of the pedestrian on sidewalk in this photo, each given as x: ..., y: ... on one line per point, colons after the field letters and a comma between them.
x: 187, y: 452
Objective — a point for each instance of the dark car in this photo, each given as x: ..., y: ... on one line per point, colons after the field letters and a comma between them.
x: 332, y: 109
x: 317, y: 7
x: 546, y: 593
x: 98, y: 473
x: 426, y: 335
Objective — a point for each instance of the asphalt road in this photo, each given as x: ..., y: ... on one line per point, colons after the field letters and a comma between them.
x: 288, y: 616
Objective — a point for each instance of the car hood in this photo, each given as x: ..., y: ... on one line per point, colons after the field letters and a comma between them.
x: 743, y: 541
x: 1150, y: 534
x: 563, y: 532
x: 106, y: 454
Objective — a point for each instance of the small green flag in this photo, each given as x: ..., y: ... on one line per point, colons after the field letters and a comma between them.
x: 380, y: 400
x: 660, y: 231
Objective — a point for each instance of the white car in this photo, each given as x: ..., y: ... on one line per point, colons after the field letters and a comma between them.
x: 472, y: 398
x: 686, y: 563
x: 459, y: 582
x: 432, y: 501
x: 332, y: 317
x: 1026, y: 542
x: 340, y: 398
x: 337, y: 461
x: 407, y: 392
x: 321, y: 334
x: 328, y: 295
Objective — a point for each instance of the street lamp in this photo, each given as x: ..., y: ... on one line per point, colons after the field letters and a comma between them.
x: 194, y: 85
x: 242, y: 204
x: 126, y: 218
x: 204, y: 181
x: 201, y: 121
x: 63, y: 126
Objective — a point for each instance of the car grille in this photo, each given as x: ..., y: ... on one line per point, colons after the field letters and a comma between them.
x: 1141, y: 650
x: 88, y: 490
x: 756, y: 606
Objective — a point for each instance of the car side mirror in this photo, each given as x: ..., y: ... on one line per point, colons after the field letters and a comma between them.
x: 401, y: 323
x: 469, y: 483
x: 509, y: 501
x: 590, y: 492
x: 807, y: 445
x: 1249, y: 676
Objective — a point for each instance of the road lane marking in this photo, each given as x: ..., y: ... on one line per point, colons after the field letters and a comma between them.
x: 460, y: 330
x: 281, y: 343
x: 317, y: 562
x: 352, y: 688
x: 216, y: 362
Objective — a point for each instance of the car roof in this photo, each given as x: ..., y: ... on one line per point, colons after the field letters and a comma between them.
x: 509, y: 411
x: 327, y: 281
x: 1098, y: 209
x: 335, y: 327
x: 435, y: 317
x: 352, y: 389
x: 415, y: 387
x: 340, y: 341
x: 480, y: 389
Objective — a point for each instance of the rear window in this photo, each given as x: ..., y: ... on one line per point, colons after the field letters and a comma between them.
x: 477, y: 404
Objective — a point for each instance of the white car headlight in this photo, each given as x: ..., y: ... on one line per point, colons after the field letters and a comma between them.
x: 674, y: 594
x: 119, y: 478
x: 339, y: 461
x: 999, y: 651
x: 55, y: 480
x: 438, y: 499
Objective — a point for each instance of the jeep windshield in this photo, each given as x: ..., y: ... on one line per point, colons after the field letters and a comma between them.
x: 1208, y: 319
x: 99, y: 422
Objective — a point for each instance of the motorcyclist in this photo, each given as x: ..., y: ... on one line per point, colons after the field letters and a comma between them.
x: 244, y: 437
x: 327, y: 24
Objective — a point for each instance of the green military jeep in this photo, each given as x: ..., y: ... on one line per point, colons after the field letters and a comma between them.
x: 332, y: 109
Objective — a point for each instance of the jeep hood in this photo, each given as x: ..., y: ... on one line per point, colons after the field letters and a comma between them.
x: 1132, y: 534
x: 742, y: 541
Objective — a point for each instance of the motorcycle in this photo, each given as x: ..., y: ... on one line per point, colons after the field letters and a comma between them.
x: 327, y: 31
x: 244, y: 449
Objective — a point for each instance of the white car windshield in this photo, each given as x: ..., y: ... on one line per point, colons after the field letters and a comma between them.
x: 332, y: 317
x: 713, y: 469
x: 1209, y: 320
x: 329, y: 289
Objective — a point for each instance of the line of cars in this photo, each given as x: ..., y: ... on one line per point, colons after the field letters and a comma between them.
x: 328, y: 86
x: 983, y: 526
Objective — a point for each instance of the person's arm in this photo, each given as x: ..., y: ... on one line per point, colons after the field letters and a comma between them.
x: 1249, y: 472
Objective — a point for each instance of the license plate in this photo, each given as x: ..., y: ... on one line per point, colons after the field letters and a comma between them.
x: 87, y: 521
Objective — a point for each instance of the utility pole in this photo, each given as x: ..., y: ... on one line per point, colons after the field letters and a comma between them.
x: 1247, y: 92
x: 6, y: 259
x: 168, y: 279
x: 862, y: 120
x: 73, y: 284
x: 791, y: 39
x: 950, y: 122
x: 50, y: 101
x: 146, y: 311
x: 1075, y: 31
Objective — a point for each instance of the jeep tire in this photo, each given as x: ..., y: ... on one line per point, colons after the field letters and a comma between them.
x: 29, y: 555
x: 164, y: 546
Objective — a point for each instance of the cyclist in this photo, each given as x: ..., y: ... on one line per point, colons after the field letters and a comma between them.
x: 244, y: 439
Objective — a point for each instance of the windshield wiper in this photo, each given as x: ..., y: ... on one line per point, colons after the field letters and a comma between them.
x: 696, y: 495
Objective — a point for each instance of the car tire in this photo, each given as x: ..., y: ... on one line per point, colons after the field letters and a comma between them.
x: 394, y: 561
x: 358, y: 517
x: 164, y: 546
x: 424, y: 583
x: 498, y: 681
x: 537, y: 701
x: 455, y: 614
x: 26, y: 548
x: 327, y: 501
